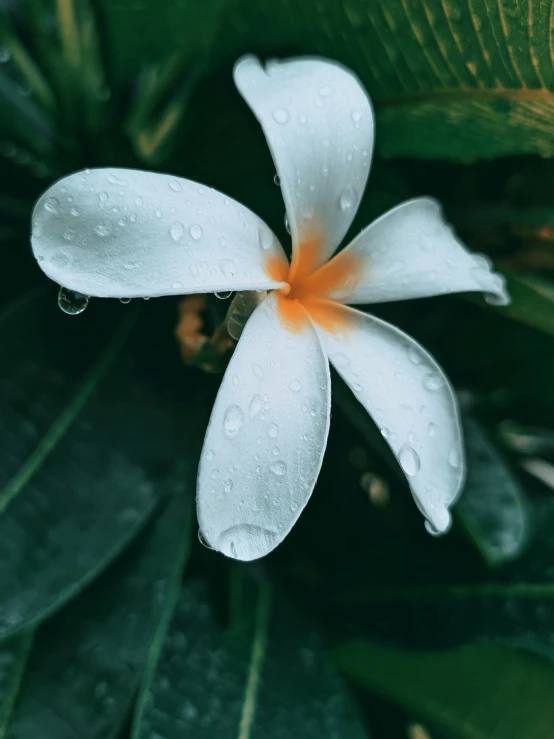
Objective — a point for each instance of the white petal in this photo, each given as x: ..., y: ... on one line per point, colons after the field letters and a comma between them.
x: 410, y: 399
x: 318, y: 122
x: 266, y: 437
x: 412, y: 252
x: 127, y: 233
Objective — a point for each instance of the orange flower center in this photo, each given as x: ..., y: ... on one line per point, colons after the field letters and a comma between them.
x: 310, y: 288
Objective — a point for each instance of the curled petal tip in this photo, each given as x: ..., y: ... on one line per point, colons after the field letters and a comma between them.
x: 247, y: 542
x: 440, y: 522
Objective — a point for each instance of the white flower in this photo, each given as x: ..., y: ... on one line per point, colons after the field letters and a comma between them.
x: 142, y: 234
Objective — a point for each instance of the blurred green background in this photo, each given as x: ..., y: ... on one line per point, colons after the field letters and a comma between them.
x: 115, y: 621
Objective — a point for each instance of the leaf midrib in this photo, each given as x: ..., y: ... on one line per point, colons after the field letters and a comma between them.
x: 62, y: 423
x: 470, y: 94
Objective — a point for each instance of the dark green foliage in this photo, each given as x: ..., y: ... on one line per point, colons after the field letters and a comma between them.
x: 104, y: 634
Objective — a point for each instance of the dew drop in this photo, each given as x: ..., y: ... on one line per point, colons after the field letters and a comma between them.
x: 257, y: 370
x: 265, y: 237
x: 222, y: 295
x: 409, y: 460
x: 356, y: 116
x: 273, y: 430
x: 414, y: 356
x: 277, y: 180
x: 72, y: 302
x: 175, y: 185
x: 103, y: 229
x: 228, y: 486
x: 432, y: 429
x: 51, y: 205
x: 385, y: 432
x: 278, y: 468
x: 209, y: 455
x: 326, y: 91
x: 177, y: 285
x: 295, y: 386
x: 455, y: 456
x: 69, y: 235
x: 115, y: 180
x: 176, y: 231
x: 433, y: 381
x: 348, y: 199
x: 196, y: 231
x: 125, y: 301
x: 256, y: 405
x: 287, y: 224
x: 228, y: 268
x: 281, y: 116
x: 233, y: 421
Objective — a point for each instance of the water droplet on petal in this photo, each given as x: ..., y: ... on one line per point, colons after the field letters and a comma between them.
x: 295, y: 386
x: 287, y: 224
x: 228, y: 268
x: 177, y: 285
x: 414, y: 356
x: 278, y: 468
x: 176, y: 231
x: 228, y: 486
x: 432, y: 429
x: 51, y: 205
x: 277, y: 180
x: 257, y: 370
x: 196, y: 231
x: 281, y: 116
x: 125, y: 301
x: 72, y: 302
x: 273, y: 430
x: 455, y: 456
x: 409, y: 460
x: 433, y: 381
x: 266, y: 238
x: 175, y: 185
x: 115, y: 180
x: 103, y: 229
x: 348, y: 199
x: 356, y: 116
x: 233, y: 421
x: 221, y: 295
x: 256, y: 405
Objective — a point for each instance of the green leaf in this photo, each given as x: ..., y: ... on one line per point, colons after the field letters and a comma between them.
x: 450, y: 80
x: 13, y: 658
x: 266, y: 677
x: 80, y: 476
x: 475, y: 693
x: 87, y: 662
x: 492, y: 505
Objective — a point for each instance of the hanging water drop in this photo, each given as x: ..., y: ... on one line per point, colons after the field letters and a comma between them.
x: 223, y: 295
x: 72, y: 302
x: 277, y: 180
x: 125, y: 301
x: 287, y: 224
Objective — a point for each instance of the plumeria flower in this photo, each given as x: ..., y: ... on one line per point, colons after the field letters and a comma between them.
x: 124, y: 233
